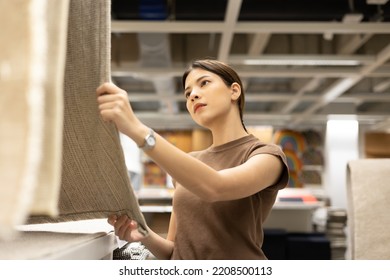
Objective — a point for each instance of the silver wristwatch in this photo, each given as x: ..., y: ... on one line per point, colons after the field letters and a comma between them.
x: 150, y: 141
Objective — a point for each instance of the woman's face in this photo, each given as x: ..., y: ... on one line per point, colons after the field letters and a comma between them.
x: 208, y: 97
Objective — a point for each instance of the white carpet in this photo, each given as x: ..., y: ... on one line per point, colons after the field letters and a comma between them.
x: 368, y: 194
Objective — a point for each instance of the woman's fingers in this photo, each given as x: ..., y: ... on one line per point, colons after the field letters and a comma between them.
x: 125, y: 228
x: 122, y: 229
x: 113, y: 107
x: 113, y: 98
x: 121, y: 220
x: 107, y: 88
x: 112, y: 219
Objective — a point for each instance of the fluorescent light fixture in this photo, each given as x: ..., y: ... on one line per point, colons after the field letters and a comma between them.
x: 302, y: 60
x: 376, y: 2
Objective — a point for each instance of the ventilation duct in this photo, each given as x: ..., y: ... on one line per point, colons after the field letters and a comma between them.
x: 155, y: 53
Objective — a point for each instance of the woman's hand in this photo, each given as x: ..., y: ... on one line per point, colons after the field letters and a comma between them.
x: 125, y: 228
x: 114, y: 106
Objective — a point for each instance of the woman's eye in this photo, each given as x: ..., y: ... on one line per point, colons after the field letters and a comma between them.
x: 187, y: 94
x: 203, y: 83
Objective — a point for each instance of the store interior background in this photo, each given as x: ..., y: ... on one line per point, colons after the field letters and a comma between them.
x: 317, y: 82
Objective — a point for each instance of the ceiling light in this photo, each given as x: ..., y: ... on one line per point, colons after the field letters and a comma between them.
x: 303, y: 60
x: 376, y: 2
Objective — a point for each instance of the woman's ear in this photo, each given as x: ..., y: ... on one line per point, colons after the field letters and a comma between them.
x: 236, y: 91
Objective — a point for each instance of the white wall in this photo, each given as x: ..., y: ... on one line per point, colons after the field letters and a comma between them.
x: 132, y: 154
x: 341, y: 146
x: 133, y: 161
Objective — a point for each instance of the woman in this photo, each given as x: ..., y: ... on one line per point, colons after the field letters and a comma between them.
x: 222, y: 194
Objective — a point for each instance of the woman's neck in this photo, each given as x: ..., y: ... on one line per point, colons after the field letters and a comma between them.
x: 228, y: 133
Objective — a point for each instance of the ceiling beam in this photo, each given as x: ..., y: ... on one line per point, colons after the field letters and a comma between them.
x: 185, y: 122
x: 313, y: 27
x: 136, y: 26
x: 258, y: 43
x: 231, y: 16
x: 382, y: 125
x: 299, y: 96
x: 382, y: 86
x: 269, y: 97
x: 342, y: 85
x: 352, y: 43
x: 135, y: 71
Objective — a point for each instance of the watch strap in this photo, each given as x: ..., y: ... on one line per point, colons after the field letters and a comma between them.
x: 146, y: 145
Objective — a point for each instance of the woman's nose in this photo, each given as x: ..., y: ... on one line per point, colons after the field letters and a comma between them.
x: 194, y: 95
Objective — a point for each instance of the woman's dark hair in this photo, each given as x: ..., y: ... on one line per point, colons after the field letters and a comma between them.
x: 225, y: 72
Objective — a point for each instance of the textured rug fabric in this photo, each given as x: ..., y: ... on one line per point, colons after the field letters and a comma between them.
x: 49, y: 174
x: 95, y: 181
x: 58, y: 160
x: 368, y: 194
x: 31, y: 76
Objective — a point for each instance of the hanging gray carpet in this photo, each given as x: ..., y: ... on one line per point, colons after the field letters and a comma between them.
x: 58, y: 160
x: 95, y: 180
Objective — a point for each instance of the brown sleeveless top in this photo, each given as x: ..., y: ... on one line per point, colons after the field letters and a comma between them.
x: 225, y: 229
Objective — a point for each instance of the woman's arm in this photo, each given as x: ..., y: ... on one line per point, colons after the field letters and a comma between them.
x: 257, y: 173
x: 127, y: 229
x: 172, y: 227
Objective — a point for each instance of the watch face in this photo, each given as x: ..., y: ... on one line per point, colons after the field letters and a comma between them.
x: 150, y: 141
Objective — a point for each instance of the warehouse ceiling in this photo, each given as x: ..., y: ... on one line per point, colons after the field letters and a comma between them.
x: 302, y: 61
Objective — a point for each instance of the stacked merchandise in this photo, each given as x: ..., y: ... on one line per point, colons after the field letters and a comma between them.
x: 132, y: 251
x: 335, y: 231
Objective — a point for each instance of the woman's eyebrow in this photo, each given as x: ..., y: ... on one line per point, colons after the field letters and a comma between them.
x: 197, y: 80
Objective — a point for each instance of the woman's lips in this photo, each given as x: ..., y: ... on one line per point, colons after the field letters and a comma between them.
x: 198, y: 106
